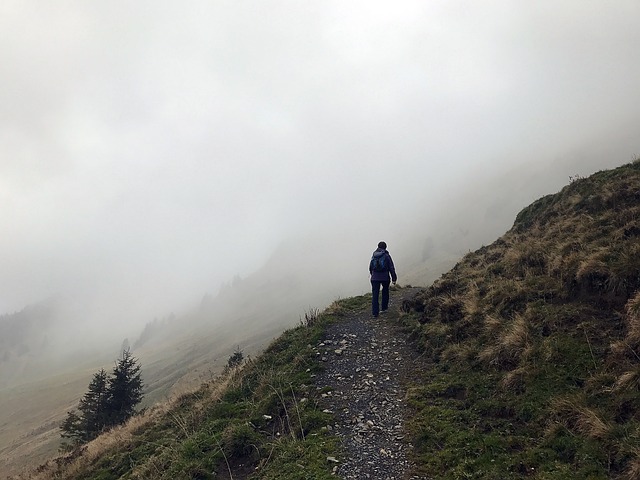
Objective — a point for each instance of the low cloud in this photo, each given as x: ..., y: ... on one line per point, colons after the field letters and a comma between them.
x: 150, y: 152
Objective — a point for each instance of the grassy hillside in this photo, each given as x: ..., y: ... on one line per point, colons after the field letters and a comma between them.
x: 262, y: 419
x: 176, y: 355
x: 534, y: 343
x: 532, y: 349
x: 30, y: 413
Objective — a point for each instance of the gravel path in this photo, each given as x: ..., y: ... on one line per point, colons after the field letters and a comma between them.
x: 367, y: 364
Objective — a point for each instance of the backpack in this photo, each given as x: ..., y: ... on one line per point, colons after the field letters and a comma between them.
x: 378, y: 264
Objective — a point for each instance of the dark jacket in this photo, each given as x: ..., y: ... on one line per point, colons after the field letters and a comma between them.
x: 383, y: 276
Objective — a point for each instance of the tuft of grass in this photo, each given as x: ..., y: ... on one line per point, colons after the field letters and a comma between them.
x: 632, y: 309
x: 511, y: 344
x: 580, y: 418
x: 629, y: 380
x: 311, y: 317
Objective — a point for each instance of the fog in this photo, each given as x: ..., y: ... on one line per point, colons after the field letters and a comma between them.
x: 151, y: 151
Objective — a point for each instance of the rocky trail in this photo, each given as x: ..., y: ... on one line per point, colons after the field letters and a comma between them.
x: 368, y: 363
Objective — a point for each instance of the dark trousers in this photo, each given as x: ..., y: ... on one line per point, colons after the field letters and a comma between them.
x: 375, y: 292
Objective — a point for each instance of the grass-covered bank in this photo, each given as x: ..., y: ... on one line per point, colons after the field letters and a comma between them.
x: 533, y: 344
x: 261, y: 420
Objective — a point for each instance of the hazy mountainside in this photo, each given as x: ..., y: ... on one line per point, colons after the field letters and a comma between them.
x: 245, y: 314
x: 38, y: 341
x: 22, y: 335
x: 532, y: 350
x: 291, y: 281
x: 176, y: 352
x: 535, y: 343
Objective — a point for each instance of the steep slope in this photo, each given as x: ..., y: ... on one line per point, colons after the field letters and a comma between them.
x: 29, y: 344
x: 176, y: 352
x: 530, y: 367
x: 534, y: 343
x: 263, y: 419
x: 324, y: 399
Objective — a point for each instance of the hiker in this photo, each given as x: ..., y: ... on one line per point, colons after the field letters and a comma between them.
x: 380, y: 267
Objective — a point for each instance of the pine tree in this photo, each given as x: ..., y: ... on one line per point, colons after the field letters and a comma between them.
x: 71, y: 427
x: 124, y: 389
x: 93, y: 406
x: 93, y: 416
x: 110, y: 401
x: 235, y: 359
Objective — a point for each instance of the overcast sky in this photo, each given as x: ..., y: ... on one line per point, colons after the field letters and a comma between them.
x: 150, y: 150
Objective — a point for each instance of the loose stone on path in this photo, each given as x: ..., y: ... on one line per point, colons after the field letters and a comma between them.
x: 365, y: 360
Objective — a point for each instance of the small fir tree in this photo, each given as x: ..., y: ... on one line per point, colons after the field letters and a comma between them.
x: 235, y: 359
x: 71, y: 428
x: 110, y: 401
x: 93, y: 407
x: 125, y: 389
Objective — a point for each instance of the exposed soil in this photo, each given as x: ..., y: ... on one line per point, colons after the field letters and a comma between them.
x: 368, y: 363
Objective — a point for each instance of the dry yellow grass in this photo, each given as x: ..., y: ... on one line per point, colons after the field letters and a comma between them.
x: 632, y: 319
x: 633, y: 470
x: 526, y: 257
x: 628, y: 380
x: 594, y: 264
x: 576, y: 416
x: 591, y: 425
x: 563, y: 265
x: 492, y: 324
x: 516, y: 337
x: 632, y: 308
x: 448, y: 300
x: 629, y: 215
x: 631, y: 343
x: 471, y: 303
x: 511, y: 345
x: 514, y: 379
x: 457, y: 352
x: 490, y: 355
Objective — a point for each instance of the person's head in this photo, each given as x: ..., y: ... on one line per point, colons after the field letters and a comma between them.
x: 382, y: 245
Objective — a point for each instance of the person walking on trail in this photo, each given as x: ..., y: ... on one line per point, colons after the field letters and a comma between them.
x: 380, y: 268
